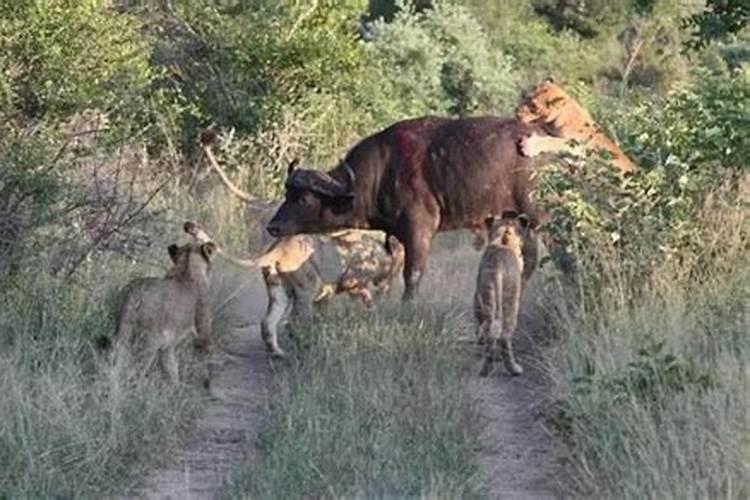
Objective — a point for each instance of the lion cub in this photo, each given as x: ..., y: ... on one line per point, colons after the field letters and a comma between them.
x: 155, y: 314
x: 498, y: 293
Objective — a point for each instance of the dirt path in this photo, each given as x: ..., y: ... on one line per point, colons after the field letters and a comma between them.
x: 225, y: 433
x: 518, y: 460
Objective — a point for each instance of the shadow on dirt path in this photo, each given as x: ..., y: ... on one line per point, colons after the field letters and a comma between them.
x: 225, y: 433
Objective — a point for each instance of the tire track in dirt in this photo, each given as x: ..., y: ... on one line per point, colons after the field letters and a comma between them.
x: 225, y: 434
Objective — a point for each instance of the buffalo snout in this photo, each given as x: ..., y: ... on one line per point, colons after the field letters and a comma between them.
x: 284, y: 223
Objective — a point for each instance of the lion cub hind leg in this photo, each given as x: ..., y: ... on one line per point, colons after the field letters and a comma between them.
x: 491, y: 333
x: 511, y: 301
x: 491, y: 355
x: 168, y: 364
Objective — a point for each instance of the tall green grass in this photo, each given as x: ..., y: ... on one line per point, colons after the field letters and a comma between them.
x: 68, y: 427
x: 652, y: 383
x: 373, y: 405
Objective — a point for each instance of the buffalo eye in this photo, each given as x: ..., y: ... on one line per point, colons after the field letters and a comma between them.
x: 302, y: 200
x: 296, y: 198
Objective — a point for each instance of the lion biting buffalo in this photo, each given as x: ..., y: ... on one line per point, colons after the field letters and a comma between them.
x: 305, y: 270
x: 413, y: 179
x: 373, y: 217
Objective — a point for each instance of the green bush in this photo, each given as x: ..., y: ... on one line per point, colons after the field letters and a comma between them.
x: 249, y: 63
x: 688, y: 146
x: 60, y: 57
x: 31, y: 183
x: 441, y: 61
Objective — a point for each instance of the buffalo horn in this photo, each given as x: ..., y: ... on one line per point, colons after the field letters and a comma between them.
x: 317, y: 181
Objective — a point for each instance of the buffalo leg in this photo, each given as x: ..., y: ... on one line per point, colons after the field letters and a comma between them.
x: 417, y: 244
x: 168, y: 364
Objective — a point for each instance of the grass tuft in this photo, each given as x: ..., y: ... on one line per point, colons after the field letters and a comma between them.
x: 68, y: 428
x: 374, y: 405
x: 652, y: 387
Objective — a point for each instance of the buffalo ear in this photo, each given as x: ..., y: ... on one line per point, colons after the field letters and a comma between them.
x: 173, y: 250
x: 208, y: 249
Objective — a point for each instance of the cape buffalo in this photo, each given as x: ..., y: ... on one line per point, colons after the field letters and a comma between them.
x: 413, y: 179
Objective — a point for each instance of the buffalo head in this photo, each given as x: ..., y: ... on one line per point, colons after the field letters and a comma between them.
x: 315, y: 202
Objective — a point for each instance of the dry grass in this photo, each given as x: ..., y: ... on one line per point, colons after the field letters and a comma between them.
x: 374, y: 405
x: 68, y: 427
x: 653, y: 392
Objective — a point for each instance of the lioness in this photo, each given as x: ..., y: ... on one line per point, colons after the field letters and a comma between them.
x: 155, y: 314
x: 307, y: 269
x: 498, y: 293
x: 549, y: 107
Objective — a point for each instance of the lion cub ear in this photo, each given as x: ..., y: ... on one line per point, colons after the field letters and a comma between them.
x: 173, y: 250
x: 523, y: 221
x: 208, y: 249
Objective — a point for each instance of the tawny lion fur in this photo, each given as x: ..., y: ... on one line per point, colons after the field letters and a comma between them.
x: 154, y: 315
x: 549, y: 107
x: 305, y: 270
x: 498, y: 293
